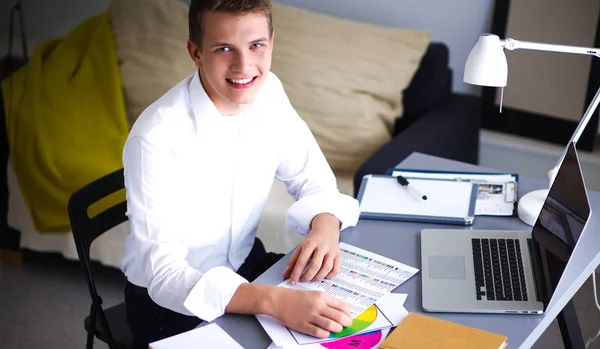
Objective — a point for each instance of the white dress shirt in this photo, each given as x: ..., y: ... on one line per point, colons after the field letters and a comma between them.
x: 196, y: 185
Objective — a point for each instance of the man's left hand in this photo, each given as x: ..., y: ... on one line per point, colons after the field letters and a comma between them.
x: 321, y: 248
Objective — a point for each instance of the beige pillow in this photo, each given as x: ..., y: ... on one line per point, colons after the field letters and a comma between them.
x: 151, y: 38
x: 345, y: 79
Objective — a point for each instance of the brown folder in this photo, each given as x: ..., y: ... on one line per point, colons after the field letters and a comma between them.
x: 418, y: 331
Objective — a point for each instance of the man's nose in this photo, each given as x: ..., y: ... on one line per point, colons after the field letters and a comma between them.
x: 241, y: 62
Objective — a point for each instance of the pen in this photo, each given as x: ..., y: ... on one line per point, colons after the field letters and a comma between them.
x: 405, y: 183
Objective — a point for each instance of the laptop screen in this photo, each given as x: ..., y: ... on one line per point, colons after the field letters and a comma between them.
x: 561, y: 220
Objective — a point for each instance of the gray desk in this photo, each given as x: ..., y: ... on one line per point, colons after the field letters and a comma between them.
x: 400, y: 241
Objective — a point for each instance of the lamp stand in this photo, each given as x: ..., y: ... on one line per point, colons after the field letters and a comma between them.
x: 530, y: 205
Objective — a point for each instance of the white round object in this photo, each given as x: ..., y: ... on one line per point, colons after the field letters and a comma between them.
x: 530, y: 206
x: 486, y: 64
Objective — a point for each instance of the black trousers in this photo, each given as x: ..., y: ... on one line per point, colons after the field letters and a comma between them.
x: 150, y: 322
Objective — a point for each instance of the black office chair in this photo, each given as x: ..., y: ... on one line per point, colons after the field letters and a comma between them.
x: 108, y: 325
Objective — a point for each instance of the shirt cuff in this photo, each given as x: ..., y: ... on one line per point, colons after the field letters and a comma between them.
x: 345, y: 208
x: 211, y: 295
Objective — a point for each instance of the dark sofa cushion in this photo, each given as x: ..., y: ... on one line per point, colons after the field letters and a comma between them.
x: 430, y: 85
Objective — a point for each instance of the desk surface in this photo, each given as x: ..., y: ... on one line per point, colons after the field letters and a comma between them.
x: 400, y: 241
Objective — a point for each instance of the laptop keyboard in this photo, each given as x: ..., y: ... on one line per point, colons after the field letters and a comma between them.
x: 498, y: 270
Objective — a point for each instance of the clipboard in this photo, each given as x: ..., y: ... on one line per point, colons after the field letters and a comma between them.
x: 489, y: 201
x: 381, y: 197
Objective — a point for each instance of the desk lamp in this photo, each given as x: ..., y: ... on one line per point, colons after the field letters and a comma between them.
x: 487, y: 66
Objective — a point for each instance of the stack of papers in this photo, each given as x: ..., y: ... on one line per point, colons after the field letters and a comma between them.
x: 369, y: 332
x: 364, y: 283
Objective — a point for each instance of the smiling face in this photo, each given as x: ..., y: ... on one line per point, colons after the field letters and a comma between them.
x: 234, y: 58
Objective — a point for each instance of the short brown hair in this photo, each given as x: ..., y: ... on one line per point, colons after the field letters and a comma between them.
x: 199, y: 7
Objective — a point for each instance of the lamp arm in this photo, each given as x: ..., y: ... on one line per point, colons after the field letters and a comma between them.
x: 582, y: 124
x: 511, y: 44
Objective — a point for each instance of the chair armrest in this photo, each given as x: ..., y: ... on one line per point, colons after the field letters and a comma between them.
x: 451, y: 130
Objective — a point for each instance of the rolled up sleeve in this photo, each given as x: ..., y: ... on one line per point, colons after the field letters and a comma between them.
x: 211, y: 295
x: 302, y: 212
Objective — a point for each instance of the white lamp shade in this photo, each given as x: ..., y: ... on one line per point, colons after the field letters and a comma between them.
x: 486, y: 65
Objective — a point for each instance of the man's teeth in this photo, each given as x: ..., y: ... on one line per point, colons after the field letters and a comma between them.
x: 241, y: 81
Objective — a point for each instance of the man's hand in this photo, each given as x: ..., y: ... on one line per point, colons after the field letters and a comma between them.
x: 311, y: 312
x: 321, y: 248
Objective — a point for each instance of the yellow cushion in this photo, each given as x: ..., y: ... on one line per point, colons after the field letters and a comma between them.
x: 345, y: 79
x: 65, y: 121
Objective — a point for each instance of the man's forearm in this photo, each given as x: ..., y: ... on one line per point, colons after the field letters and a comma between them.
x: 253, y: 299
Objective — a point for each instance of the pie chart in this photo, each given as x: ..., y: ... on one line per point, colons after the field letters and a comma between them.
x: 359, y: 341
x: 362, y: 321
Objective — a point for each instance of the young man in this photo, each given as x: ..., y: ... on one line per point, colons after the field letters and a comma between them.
x: 199, y: 164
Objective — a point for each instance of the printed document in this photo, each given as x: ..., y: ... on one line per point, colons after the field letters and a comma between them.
x: 389, y: 312
x: 364, y: 279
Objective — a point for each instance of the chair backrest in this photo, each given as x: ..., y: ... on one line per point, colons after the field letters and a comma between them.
x: 86, y: 229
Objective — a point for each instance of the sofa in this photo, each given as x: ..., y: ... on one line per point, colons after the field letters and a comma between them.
x: 388, y: 95
x: 436, y: 121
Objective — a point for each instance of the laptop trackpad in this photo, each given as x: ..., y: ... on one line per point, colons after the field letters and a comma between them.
x: 447, y: 267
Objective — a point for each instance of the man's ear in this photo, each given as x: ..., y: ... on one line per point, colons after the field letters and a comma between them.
x: 194, y: 52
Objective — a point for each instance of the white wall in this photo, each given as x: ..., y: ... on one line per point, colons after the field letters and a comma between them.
x: 458, y: 23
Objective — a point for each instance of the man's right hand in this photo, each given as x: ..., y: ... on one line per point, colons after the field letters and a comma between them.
x: 311, y: 312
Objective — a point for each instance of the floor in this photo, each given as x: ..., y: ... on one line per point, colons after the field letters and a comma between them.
x: 44, y: 300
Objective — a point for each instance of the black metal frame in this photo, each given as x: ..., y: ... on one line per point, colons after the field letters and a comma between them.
x: 523, y: 123
x: 86, y: 229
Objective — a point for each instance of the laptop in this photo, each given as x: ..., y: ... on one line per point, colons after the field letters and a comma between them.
x: 505, y: 271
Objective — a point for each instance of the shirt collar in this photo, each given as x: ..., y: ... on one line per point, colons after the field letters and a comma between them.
x: 203, y: 107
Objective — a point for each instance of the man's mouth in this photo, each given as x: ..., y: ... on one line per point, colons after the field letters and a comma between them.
x: 241, y: 83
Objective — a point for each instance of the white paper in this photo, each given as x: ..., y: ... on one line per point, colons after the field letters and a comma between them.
x: 209, y: 336
x: 365, y: 279
x: 444, y: 198
x: 493, y: 193
x: 390, y: 307
x: 491, y: 199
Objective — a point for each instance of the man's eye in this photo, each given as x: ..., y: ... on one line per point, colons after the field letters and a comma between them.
x: 223, y: 49
x: 256, y: 45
